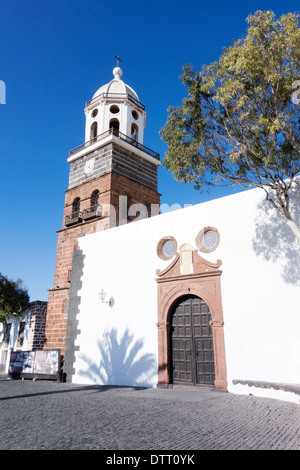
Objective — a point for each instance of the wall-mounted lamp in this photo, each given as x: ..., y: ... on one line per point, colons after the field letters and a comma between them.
x: 102, y: 296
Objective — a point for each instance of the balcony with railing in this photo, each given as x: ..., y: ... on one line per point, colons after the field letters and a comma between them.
x: 116, y: 133
x: 92, y: 212
x: 73, y: 218
x: 82, y: 216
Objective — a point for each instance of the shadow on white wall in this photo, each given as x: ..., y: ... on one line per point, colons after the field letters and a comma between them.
x: 120, y: 362
x: 274, y: 240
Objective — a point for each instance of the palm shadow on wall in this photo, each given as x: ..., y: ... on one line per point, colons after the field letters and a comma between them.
x: 119, y: 364
x: 274, y: 240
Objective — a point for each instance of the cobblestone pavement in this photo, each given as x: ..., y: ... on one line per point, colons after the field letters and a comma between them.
x: 43, y: 415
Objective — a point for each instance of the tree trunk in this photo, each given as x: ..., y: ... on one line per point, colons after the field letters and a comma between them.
x: 292, y: 224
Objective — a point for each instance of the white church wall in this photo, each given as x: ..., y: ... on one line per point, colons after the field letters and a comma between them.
x: 119, y: 262
x: 260, y: 294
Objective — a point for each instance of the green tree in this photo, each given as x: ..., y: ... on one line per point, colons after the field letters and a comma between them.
x: 239, y: 123
x: 14, y: 298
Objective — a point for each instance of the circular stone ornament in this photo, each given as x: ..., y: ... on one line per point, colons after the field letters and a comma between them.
x: 208, y: 239
x: 166, y: 248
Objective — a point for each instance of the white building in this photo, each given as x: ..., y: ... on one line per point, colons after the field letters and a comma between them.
x: 22, y: 333
x: 119, y: 342
x: 205, y: 295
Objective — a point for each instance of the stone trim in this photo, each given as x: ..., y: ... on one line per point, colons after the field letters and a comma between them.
x: 73, y: 311
x: 205, y: 283
x: 159, y: 249
x: 199, y: 239
x: 274, y: 385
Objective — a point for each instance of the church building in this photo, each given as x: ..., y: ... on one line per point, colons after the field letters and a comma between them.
x: 206, y: 295
x: 110, y: 173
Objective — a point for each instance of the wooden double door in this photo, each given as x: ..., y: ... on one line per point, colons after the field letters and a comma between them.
x: 192, y: 352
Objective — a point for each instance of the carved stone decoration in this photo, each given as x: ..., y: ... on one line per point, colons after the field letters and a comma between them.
x: 189, y: 273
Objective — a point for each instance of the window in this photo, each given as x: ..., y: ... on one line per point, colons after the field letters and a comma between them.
x: 207, y: 239
x: 167, y: 248
x: 135, y: 114
x: 95, y: 209
x: 94, y: 130
x: 76, y: 216
x: 20, y: 339
x: 114, y: 109
x: 114, y: 125
x: 76, y: 205
x: 134, y: 132
x: 95, y: 198
x: 7, y: 333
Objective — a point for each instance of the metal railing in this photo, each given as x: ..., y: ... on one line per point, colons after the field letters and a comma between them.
x: 90, y: 142
x: 119, y: 134
x: 73, y: 218
x: 92, y: 212
x: 78, y: 216
x: 116, y: 96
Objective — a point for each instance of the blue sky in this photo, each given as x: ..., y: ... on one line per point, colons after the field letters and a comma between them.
x: 54, y: 55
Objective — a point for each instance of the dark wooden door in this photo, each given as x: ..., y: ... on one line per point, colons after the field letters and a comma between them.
x: 191, y: 342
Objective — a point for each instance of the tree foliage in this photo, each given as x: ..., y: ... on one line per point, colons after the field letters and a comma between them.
x: 14, y: 298
x: 239, y: 123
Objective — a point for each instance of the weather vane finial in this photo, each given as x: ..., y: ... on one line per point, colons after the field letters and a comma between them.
x: 118, y: 58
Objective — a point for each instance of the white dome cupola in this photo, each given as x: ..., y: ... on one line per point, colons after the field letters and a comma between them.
x: 115, y: 107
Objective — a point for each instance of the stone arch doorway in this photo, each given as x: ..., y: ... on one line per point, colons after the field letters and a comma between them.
x: 191, y: 342
x: 202, y: 280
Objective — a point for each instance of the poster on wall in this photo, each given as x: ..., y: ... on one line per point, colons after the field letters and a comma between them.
x: 34, y: 364
x: 46, y: 362
x: 21, y: 361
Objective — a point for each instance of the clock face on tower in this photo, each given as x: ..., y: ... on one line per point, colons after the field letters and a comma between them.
x: 89, y: 166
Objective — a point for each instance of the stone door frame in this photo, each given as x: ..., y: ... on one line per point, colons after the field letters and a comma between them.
x: 204, y: 281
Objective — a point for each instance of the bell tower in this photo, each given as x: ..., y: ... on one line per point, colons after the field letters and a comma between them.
x: 112, y: 181
x: 115, y: 106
